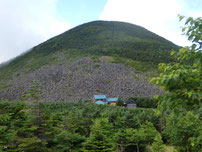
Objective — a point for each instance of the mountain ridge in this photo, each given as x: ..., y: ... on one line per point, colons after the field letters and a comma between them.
x: 102, y: 44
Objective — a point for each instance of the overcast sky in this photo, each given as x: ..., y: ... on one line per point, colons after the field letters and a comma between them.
x: 26, y: 23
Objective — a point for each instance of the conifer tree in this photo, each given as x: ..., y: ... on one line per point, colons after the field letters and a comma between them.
x: 158, y: 145
x: 101, y: 137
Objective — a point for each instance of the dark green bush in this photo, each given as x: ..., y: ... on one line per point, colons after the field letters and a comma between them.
x: 145, y: 102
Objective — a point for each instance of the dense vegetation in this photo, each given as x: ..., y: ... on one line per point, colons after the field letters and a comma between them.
x: 145, y: 102
x: 135, y: 45
x: 75, y: 127
x: 182, y: 82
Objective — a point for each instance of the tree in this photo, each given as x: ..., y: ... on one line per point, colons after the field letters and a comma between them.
x: 139, y: 138
x: 158, y: 145
x: 35, y: 140
x: 134, y: 138
x: 101, y: 137
x: 182, y: 80
x: 148, y: 131
x: 17, y: 132
x: 34, y: 94
x: 184, y: 131
x: 120, y: 102
x: 121, y: 140
x: 8, y: 132
x: 67, y: 141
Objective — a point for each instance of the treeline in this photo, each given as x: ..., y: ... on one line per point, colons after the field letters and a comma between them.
x: 83, y: 126
x: 75, y: 127
x: 145, y: 102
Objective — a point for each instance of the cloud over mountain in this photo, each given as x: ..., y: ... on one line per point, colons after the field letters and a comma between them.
x: 25, y: 24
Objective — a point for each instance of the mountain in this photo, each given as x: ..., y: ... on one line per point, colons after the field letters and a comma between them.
x: 100, y: 57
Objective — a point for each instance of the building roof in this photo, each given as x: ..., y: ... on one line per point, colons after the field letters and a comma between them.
x: 97, y: 97
x: 112, y: 99
x: 130, y: 102
x: 99, y: 102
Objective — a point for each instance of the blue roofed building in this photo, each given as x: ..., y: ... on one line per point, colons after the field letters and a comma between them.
x: 102, y: 99
x: 112, y: 101
x: 99, y: 102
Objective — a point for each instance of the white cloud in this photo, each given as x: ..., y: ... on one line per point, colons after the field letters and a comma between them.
x: 26, y: 23
x: 158, y: 16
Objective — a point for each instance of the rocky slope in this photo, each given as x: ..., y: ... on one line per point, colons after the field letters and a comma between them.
x: 80, y: 80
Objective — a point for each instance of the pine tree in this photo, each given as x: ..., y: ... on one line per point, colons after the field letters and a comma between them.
x: 101, y: 137
x: 158, y: 145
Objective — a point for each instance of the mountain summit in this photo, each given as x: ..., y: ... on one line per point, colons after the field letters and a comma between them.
x: 108, y: 57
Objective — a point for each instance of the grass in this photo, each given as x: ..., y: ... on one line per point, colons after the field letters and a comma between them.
x: 170, y: 149
x: 4, y: 86
x: 138, y: 65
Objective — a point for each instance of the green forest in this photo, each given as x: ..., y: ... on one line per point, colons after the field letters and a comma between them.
x: 174, y: 118
x: 80, y: 126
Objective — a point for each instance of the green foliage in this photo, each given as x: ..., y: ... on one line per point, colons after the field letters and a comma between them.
x: 182, y: 80
x: 184, y: 131
x: 17, y: 133
x: 158, y: 145
x: 33, y: 93
x: 67, y: 141
x: 80, y: 126
x: 101, y: 137
x: 145, y: 102
x: 120, y: 102
x: 193, y: 31
x: 148, y: 131
x: 141, y: 66
x: 131, y: 138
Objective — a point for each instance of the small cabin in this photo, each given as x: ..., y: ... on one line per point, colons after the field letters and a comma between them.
x: 112, y: 101
x: 130, y: 104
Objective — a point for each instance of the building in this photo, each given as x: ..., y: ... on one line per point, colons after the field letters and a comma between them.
x: 130, y: 104
x: 99, y: 99
x: 99, y: 102
x: 102, y: 99
x: 112, y: 101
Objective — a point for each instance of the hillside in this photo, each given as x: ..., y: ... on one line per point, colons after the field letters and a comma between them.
x: 113, y: 58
